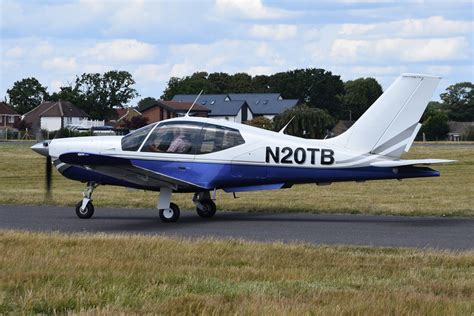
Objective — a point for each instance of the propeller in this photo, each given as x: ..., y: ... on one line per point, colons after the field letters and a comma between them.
x: 42, y: 148
x: 48, y: 176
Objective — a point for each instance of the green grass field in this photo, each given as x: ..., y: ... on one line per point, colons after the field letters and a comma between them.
x: 116, y: 274
x: 448, y: 195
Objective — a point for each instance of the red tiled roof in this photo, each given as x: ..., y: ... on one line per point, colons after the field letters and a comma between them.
x: 7, y: 109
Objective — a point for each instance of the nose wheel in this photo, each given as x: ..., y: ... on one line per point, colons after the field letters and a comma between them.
x: 85, y: 208
x: 85, y: 212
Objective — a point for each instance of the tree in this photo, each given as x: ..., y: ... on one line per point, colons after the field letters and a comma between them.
x: 436, y: 126
x: 145, y: 102
x: 27, y: 94
x: 358, y: 96
x: 316, y: 87
x: 459, y: 99
x: 307, y: 122
x: 98, y: 94
x: 261, y: 122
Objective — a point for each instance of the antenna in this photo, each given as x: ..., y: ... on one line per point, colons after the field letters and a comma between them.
x: 282, y: 131
x: 187, y: 113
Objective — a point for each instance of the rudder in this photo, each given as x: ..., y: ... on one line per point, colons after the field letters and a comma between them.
x: 390, y: 125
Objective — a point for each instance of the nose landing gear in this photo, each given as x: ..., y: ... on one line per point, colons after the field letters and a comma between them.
x: 85, y: 208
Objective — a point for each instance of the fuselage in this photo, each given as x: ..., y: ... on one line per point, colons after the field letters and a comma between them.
x: 252, y: 158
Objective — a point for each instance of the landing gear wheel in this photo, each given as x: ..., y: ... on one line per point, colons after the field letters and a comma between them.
x: 206, y: 209
x: 171, y: 214
x: 87, y: 212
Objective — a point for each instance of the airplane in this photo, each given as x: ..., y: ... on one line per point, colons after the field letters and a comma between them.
x: 202, y: 155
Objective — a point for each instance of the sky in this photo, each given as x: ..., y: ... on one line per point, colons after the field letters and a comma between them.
x: 55, y: 41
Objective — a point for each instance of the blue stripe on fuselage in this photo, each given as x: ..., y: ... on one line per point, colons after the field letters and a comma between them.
x: 218, y: 175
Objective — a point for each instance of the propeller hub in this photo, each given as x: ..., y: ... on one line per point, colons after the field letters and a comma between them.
x: 41, y: 148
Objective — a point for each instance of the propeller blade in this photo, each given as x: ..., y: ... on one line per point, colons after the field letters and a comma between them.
x: 48, y: 175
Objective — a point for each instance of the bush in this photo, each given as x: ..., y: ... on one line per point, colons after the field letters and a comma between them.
x: 261, y: 122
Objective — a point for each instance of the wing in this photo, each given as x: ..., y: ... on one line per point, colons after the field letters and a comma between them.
x: 124, y: 169
x: 408, y: 162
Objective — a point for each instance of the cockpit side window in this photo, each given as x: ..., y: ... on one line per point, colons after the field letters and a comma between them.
x: 132, y: 141
x: 216, y: 138
x: 178, y: 138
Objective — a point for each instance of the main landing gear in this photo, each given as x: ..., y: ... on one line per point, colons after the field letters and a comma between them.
x: 85, y: 208
x: 168, y: 212
x: 205, y: 206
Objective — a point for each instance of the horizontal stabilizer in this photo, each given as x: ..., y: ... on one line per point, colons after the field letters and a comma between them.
x: 408, y: 162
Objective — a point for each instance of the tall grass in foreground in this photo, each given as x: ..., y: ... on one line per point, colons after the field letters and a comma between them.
x: 58, y: 273
x: 451, y: 194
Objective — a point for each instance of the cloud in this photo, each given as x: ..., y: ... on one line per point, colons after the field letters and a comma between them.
x: 277, y: 32
x: 60, y: 64
x: 406, y: 50
x: 435, y: 25
x: 152, y: 72
x: 250, y: 9
x: 15, y: 52
x: 55, y: 85
x: 121, y: 50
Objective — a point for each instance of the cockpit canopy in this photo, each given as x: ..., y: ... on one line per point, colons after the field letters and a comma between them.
x: 182, y: 138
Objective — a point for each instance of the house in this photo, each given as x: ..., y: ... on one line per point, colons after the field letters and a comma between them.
x: 241, y: 107
x: 162, y: 110
x: 122, y: 114
x: 459, y: 130
x: 8, y: 116
x: 54, y: 115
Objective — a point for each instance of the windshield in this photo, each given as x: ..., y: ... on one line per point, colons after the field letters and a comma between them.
x: 132, y: 141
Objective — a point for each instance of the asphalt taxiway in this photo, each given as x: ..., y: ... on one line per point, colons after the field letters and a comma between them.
x: 367, y: 230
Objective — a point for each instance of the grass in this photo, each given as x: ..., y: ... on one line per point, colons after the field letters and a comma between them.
x: 448, y: 195
x: 59, y: 273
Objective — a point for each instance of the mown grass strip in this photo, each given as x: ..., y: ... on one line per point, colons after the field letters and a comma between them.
x: 58, y: 273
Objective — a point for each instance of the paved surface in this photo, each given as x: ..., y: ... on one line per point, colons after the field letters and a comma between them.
x: 421, y: 232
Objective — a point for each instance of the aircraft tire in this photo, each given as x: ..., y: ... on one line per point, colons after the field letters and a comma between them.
x: 208, y: 210
x: 170, y: 214
x: 87, y: 212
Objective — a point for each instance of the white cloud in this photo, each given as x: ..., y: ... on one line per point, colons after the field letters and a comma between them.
x: 250, y: 9
x: 55, y: 85
x: 152, y: 72
x: 121, y: 50
x: 61, y: 64
x: 260, y: 70
x: 407, y: 50
x: 277, y: 32
x: 432, y: 26
x: 439, y: 70
x: 14, y: 52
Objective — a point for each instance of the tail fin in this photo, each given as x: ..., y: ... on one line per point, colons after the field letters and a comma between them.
x: 390, y: 125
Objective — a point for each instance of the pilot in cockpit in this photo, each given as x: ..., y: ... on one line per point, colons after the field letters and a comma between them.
x: 179, y: 144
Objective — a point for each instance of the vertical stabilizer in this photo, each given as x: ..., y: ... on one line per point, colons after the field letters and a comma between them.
x: 390, y: 125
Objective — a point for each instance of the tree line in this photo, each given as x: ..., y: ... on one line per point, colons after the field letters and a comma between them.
x: 324, y: 98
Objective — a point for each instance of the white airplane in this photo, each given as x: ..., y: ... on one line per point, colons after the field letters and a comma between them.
x: 201, y: 155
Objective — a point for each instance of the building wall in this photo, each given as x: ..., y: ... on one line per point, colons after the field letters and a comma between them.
x: 237, y: 118
x: 54, y: 123
x: 8, y: 120
x: 157, y: 113
x: 50, y: 123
